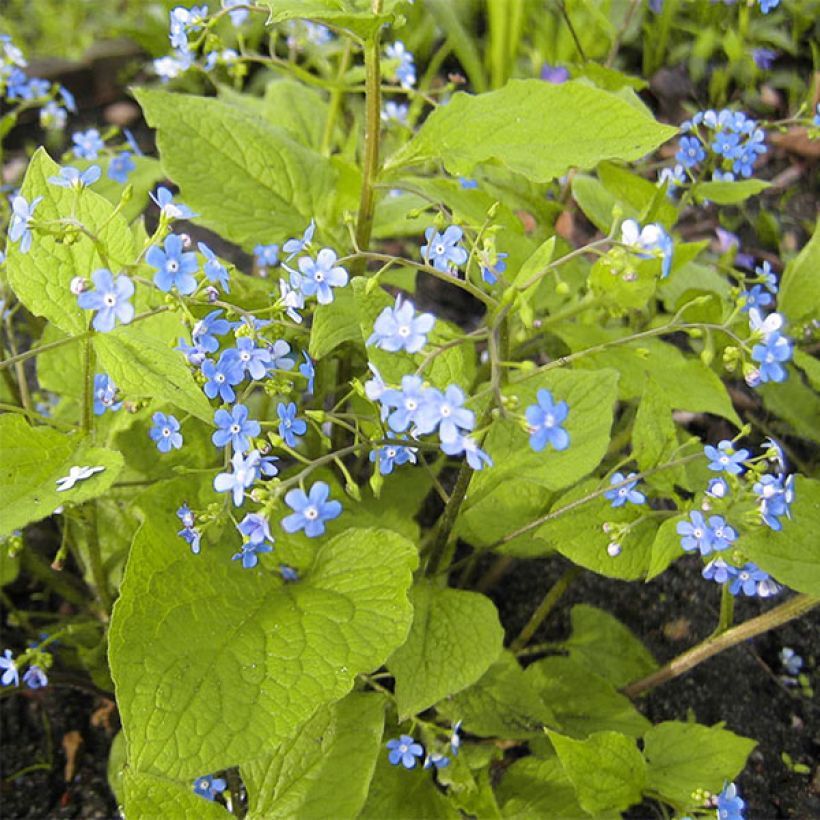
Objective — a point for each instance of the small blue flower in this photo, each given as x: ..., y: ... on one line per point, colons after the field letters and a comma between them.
x: 394, y: 112
x: 10, y: 676
x: 404, y: 750
x: 71, y: 177
x: 294, y: 246
x: 726, y: 144
x: 399, y: 328
x: 311, y: 510
x: 445, y: 412
x: 289, y: 574
x: 289, y: 425
x: 308, y: 371
x: 238, y: 16
x: 723, y: 535
x: 649, y: 242
x: 468, y: 184
x: 544, y: 420
x: 266, y: 256
x: 292, y: 299
x: 455, y: 738
x: 193, y: 537
x: 87, y: 144
x: 255, y: 528
x: 120, y: 167
x: 165, y: 433
x: 749, y: 580
x: 249, y: 553
x: 771, y: 355
x: 442, y: 250
x: 405, y: 72
x: 764, y: 58
x: 492, y: 269
x: 35, y: 678
x: 186, y: 516
x: 719, y: 571
x: 209, y: 786
x: 768, y: 276
x: 717, y: 488
x: 392, y: 455
x: 724, y: 458
x: 221, y: 376
x: 110, y: 300
x: 774, y: 452
x: 756, y: 297
x: 214, y: 270
x: 105, y: 394
x: 235, y: 428
x: 22, y: 215
x: 695, y: 534
x: 436, y: 759
x: 626, y: 492
x: 775, y: 497
x: 245, y: 472
x: 175, y: 269
x: 766, y: 6
x: 164, y: 200
x: 792, y: 662
x: 252, y: 359
x: 406, y: 402
x: 321, y: 275
x: 690, y: 152
x: 477, y: 459
x: 555, y: 74
x: 205, y: 331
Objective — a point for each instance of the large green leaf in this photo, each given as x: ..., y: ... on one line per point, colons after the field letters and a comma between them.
x: 799, y: 297
x: 215, y: 665
x: 791, y: 555
x: 591, y: 399
x: 153, y: 795
x: 31, y: 461
x: 42, y: 277
x: 533, y: 787
x: 683, y: 757
x: 249, y: 180
x: 538, y: 129
x: 455, y: 638
x: 353, y: 15
x: 729, y: 193
x: 144, y: 367
x: 607, y: 770
x: 329, y: 762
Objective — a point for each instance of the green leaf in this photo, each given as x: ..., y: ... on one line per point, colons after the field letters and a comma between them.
x: 455, y: 638
x: 796, y: 403
x: 329, y: 762
x: 595, y: 201
x: 606, y: 769
x: 665, y: 548
x: 799, y: 296
x: 503, y: 703
x: 299, y: 109
x: 31, y: 461
x: 602, y: 644
x: 248, y: 179
x: 532, y: 787
x: 143, y: 367
x: 635, y: 194
x: 577, y: 127
x: 536, y: 262
x: 683, y: 757
x: 591, y: 400
x: 810, y: 366
x: 335, y: 324
x: 142, y: 179
x: 215, y: 665
x: 582, y: 701
x: 791, y: 555
x: 729, y: 193
x: 9, y: 565
x: 353, y: 15
x: 153, y: 795
x: 42, y: 277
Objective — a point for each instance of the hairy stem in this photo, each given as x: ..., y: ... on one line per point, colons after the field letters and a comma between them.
x: 778, y: 616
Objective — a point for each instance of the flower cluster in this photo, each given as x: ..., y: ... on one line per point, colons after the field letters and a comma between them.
x: 405, y: 64
x: 771, y: 349
x: 34, y: 677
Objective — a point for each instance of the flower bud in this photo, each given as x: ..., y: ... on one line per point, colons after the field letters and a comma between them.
x: 613, y: 549
x: 78, y: 285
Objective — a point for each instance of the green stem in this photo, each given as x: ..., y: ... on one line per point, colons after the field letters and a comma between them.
x: 87, y: 410
x: 336, y: 97
x: 554, y: 594
x: 794, y: 608
x: 95, y: 559
x: 727, y: 611
x: 448, y: 517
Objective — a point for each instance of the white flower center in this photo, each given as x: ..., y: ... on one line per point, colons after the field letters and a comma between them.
x: 404, y: 330
x: 219, y: 378
x: 698, y: 533
x: 110, y: 300
x: 549, y: 420
x: 311, y: 513
x: 166, y: 432
x: 173, y: 266
x: 319, y: 276
x: 411, y: 404
x: 439, y: 249
x: 446, y: 411
x: 390, y: 452
x: 235, y: 428
x: 245, y: 356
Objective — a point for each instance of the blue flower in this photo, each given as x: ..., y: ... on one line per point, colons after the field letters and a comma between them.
x: 544, y: 420
x: 748, y: 580
x: 394, y: 112
x: 723, y: 534
x: 756, y: 297
x: 266, y: 256
x: 319, y: 276
x: 624, y: 493
x: 764, y: 57
x: 35, y: 678
x: 792, y: 662
x: 468, y: 184
x: 53, y: 116
x: 442, y: 250
x: 22, y: 215
x: 245, y: 472
x: 235, y: 427
x: 222, y: 376
x: 690, y: 152
x: 251, y: 358
x: 310, y: 511
x: 214, y: 270
x: 238, y: 16
x: 476, y: 457
x: 289, y: 575
x: 398, y: 328
x: 391, y: 455
x: 771, y: 355
x: 775, y: 496
x: 87, y: 144
x: 120, y: 167
x: 249, y: 553
x: 10, y: 676
x: 294, y: 246
x: 175, y: 269
x: 436, y: 759
x: 717, y: 488
x: 695, y: 534
x: 766, y: 6
x: 308, y: 371
x: 555, y: 74
x: 165, y: 433
x: 649, y: 242
x: 186, y: 516
x: 255, y: 528
x: 209, y: 786
x: 188, y: 531
x: 406, y: 402
x: 405, y: 72
x: 404, y: 750
x: 292, y: 299
x: 205, y: 331
x: 164, y: 200
x: 455, y: 738
x: 769, y: 278
x: 446, y: 412
x: 71, y: 177
x: 110, y: 300
x: 492, y: 269
x: 725, y: 458
x: 774, y: 452
x: 289, y: 425
x: 726, y: 144
x: 105, y: 394
x: 719, y: 571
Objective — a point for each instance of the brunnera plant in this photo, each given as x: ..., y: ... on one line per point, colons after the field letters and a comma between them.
x: 280, y: 476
